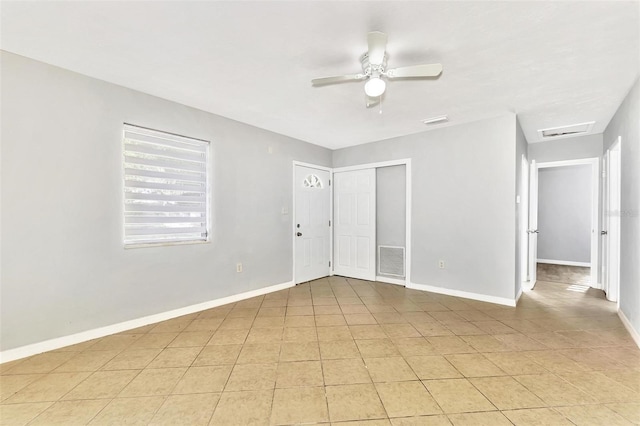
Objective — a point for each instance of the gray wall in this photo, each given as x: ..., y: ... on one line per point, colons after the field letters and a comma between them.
x: 579, y: 147
x: 61, y: 213
x: 564, y: 213
x: 391, y: 209
x: 521, y: 212
x: 463, y: 197
x: 626, y: 123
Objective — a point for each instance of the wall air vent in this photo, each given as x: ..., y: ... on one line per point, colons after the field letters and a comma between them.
x: 391, y: 261
x: 565, y: 131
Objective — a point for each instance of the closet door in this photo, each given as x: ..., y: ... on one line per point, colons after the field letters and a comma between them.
x: 355, y: 224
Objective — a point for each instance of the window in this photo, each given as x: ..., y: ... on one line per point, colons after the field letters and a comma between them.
x: 165, y: 187
x: 312, y: 181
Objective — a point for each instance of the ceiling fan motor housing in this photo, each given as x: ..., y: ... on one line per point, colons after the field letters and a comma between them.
x: 368, y: 69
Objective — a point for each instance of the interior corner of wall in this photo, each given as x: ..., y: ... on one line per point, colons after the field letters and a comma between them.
x: 635, y: 335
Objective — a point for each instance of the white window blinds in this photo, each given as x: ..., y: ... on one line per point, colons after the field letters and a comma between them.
x: 165, y: 187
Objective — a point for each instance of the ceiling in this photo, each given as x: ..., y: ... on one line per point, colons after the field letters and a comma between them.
x: 553, y: 63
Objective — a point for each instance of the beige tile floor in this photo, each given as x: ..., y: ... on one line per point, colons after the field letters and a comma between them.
x: 346, y: 352
x: 563, y: 273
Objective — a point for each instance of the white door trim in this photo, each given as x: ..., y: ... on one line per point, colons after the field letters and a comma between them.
x: 595, y: 208
x: 372, y: 165
x: 407, y: 163
x: 313, y: 166
x: 293, y: 214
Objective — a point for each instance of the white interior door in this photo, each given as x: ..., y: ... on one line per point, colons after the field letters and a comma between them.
x: 355, y: 224
x: 312, y: 227
x: 612, y: 221
x: 532, y: 230
x: 605, y: 223
x: 524, y: 220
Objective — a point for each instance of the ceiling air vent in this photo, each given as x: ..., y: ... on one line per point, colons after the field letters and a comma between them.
x: 565, y: 131
x: 436, y: 120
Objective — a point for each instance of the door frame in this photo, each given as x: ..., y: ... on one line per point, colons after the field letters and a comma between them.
x: 402, y: 162
x: 293, y: 214
x: 595, y: 207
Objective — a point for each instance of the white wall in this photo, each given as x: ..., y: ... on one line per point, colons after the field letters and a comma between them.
x: 463, y: 203
x: 61, y: 158
x: 564, y: 213
x: 626, y: 124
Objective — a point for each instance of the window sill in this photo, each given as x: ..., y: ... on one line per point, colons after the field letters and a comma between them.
x: 165, y: 244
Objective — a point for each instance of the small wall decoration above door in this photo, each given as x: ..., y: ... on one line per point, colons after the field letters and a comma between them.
x: 312, y: 181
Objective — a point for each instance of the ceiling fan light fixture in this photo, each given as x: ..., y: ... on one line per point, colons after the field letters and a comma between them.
x: 374, y: 87
x: 374, y: 68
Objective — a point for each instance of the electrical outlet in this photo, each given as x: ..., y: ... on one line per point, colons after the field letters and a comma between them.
x: 239, y: 267
x: 441, y: 264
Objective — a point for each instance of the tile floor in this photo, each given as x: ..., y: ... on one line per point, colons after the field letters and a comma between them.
x: 346, y: 352
x: 563, y: 273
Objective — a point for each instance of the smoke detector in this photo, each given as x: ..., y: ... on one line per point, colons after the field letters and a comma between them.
x: 566, y: 131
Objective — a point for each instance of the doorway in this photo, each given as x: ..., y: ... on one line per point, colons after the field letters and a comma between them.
x: 564, y: 246
x: 311, y: 219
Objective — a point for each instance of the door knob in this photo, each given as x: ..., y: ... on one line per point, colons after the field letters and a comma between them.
x: 603, y: 232
x: 299, y: 234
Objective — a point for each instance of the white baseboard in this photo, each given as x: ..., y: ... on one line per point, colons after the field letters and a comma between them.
x: 72, y: 339
x: 564, y: 262
x: 627, y: 324
x: 388, y: 280
x: 463, y: 294
x: 519, y: 294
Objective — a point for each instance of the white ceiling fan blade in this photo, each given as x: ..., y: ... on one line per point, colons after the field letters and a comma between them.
x: 377, y: 42
x: 336, y: 79
x: 425, y: 70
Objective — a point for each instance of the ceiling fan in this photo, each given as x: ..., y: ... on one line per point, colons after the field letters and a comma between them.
x: 374, y: 69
